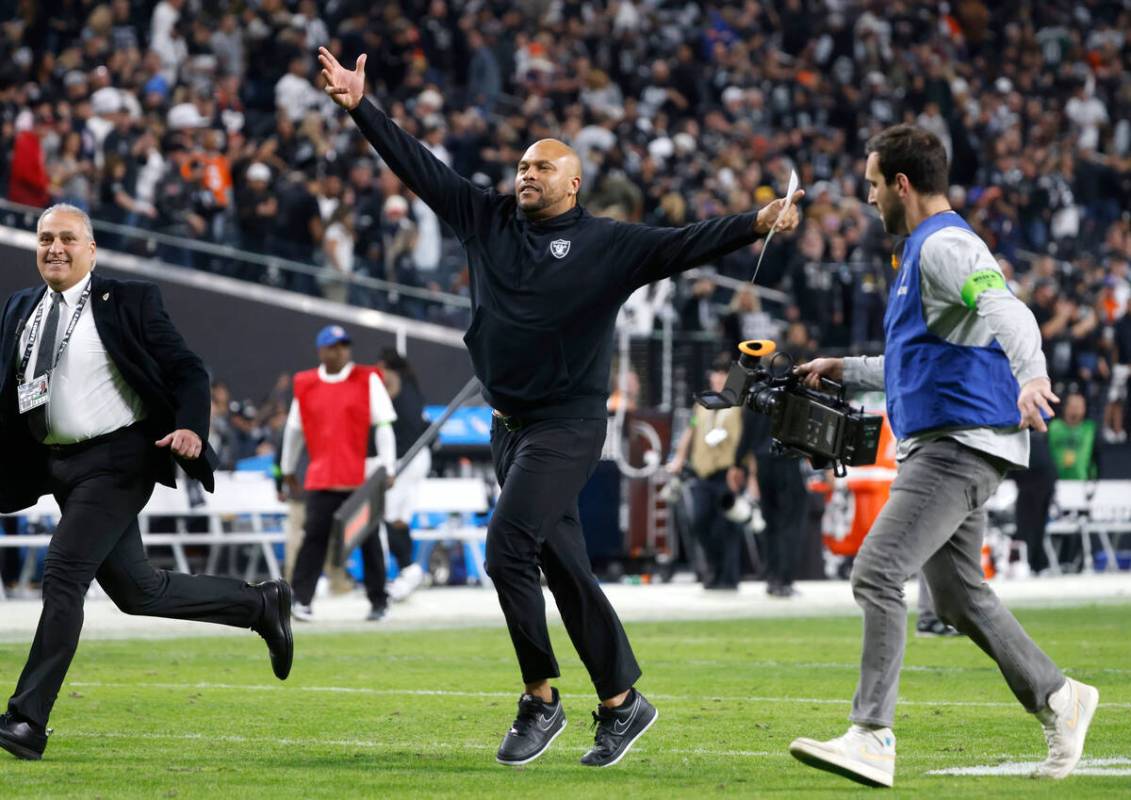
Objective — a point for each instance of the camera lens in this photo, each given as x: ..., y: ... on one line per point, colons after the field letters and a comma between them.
x: 766, y: 399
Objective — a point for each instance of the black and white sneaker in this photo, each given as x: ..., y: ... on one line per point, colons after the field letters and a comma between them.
x: 533, y: 730
x: 618, y: 728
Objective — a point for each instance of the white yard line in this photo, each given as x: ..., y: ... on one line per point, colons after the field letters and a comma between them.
x: 366, y: 690
x: 1101, y: 767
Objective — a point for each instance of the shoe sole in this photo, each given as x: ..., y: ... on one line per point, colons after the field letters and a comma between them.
x: 631, y: 742
x: 813, y: 755
x: 286, y: 599
x: 19, y: 751
x: 1083, y: 725
x: 545, y: 747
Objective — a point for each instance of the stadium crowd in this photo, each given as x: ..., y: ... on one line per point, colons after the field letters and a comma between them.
x: 205, y: 119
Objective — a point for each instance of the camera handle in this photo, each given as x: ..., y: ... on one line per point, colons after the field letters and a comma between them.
x: 836, y: 385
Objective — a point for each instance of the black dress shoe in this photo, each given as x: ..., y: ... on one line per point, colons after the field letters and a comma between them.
x: 275, y: 625
x: 22, y: 739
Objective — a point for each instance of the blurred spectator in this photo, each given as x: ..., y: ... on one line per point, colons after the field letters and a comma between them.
x: 484, y: 80
x: 257, y: 208
x: 337, y: 246
x: 299, y: 228
x: 698, y: 312
x: 747, y: 320
x: 398, y: 240
x: 1072, y: 440
x: 28, y: 181
x: 71, y: 176
x: 1114, y: 428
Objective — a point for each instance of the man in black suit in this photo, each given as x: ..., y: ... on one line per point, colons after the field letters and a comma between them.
x: 114, y: 400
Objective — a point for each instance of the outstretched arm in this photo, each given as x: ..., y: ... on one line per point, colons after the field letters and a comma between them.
x: 656, y: 253
x: 454, y: 198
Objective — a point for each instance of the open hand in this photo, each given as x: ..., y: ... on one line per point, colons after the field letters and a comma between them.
x: 770, y: 212
x: 183, y: 443
x: 345, y: 87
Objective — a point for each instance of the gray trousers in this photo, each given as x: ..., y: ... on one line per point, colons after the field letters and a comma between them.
x: 934, y: 522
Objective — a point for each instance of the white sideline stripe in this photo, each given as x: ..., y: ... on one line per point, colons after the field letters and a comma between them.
x: 1102, y: 767
x: 454, y: 693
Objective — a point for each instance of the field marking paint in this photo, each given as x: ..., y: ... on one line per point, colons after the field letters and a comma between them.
x: 456, y: 693
x: 1101, y: 767
x: 1097, y: 767
x: 373, y: 744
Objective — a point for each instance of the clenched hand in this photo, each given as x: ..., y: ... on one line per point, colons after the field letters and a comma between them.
x: 770, y: 212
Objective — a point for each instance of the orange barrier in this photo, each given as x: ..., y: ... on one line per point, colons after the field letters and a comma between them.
x: 852, y: 512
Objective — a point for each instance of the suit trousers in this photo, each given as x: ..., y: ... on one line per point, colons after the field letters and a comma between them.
x: 542, y: 468
x: 934, y: 522
x: 100, y: 486
x: 320, y: 508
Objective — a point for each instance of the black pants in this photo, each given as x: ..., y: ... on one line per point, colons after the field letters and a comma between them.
x: 320, y: 508
x: 100, y: 488
x: 541, y: 469
x: 9, y: 556
x: 785, y: 503
x: 720, y: 538
x: 400, y: 543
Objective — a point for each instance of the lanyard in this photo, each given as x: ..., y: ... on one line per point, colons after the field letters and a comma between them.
x: 66, y: 336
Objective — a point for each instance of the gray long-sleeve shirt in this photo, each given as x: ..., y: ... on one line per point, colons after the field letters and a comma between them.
x: 946, y: 261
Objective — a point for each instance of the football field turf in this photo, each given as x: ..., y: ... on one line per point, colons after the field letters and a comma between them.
x: 420, y: 713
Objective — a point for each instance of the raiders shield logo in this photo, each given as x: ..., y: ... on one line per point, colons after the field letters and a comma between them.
x: 559, y: 248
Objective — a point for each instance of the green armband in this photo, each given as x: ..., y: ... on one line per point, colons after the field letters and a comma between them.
x: 981, y: 281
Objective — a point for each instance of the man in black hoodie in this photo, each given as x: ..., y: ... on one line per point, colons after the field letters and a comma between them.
x: 547, y: 280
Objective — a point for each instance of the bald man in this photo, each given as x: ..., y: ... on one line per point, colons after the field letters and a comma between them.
x: 547, y: 280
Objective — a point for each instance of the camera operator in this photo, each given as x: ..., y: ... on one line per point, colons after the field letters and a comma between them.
x: 964, y: 377
x: 709, y: 447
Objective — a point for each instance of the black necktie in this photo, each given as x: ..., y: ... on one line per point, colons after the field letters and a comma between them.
x: 37, y: 417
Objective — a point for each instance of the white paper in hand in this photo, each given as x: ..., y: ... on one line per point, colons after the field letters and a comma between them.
x: 793, y: 181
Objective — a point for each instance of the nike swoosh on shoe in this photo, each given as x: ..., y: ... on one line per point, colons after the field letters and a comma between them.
x: 620, y: 730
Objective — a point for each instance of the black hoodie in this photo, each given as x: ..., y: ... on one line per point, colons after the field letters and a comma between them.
x: 545, y: 295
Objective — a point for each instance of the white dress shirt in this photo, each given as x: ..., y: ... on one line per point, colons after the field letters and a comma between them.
x: 88, y: 396
x: 381, y: 414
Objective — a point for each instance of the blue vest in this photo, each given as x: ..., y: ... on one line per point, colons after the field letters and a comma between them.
x: 930, y: 382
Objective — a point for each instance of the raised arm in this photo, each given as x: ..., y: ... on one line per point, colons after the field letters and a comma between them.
x: 454, y: 198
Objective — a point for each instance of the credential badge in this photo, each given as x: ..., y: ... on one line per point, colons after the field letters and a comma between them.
x: 559, y: 248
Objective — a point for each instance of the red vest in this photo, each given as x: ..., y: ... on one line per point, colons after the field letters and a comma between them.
x: 336, y: 424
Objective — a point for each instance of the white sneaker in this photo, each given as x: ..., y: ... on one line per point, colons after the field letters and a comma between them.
x: 1066, y: 720
x: 407, y: 582
x: 302, y: 613
x: 862, y: 755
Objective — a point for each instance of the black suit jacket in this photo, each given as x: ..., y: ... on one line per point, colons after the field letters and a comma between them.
x: 151, y: 356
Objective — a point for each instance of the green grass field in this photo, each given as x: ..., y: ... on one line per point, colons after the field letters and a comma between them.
x: 419, y: 714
